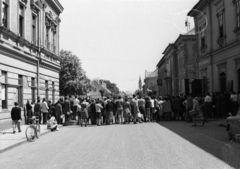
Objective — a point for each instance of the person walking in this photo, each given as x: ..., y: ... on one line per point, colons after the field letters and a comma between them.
x: 16, y: 117
x: 45, y: 109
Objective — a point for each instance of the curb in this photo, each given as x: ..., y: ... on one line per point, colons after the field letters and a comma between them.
x: 23, y: 141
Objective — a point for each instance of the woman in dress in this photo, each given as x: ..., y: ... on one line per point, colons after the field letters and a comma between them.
x: 199, y: 115
x: 82, y: 114
x: 127, y: 111
x: 109, y: 112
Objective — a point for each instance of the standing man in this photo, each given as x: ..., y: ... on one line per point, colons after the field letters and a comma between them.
x: 16, y: 117
x: 67, y: 108
x: 58, y: 112
x: 208, y: 103
x: 135, y: 110
x: 45, y: 109
x: 37, y: 110
x: 75, y: 105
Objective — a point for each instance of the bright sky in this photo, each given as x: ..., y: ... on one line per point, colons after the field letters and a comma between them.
x: 118, y: 40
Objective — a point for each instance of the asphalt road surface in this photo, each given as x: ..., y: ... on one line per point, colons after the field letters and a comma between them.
x: 141, y: 146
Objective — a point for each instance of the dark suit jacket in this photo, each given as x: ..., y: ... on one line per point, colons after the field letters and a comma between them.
x: 67, y: 106
x: 16, y: 113
x: 58, y: 109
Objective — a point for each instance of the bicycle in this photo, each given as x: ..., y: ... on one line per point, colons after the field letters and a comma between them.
x: 33, y: 130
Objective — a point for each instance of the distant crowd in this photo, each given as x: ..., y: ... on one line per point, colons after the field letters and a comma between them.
x: 135, y: 109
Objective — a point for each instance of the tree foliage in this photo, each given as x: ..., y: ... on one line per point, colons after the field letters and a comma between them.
x: 73, y: 79
x: 111, y: 86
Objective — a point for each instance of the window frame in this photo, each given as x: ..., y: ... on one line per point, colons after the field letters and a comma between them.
x: 202, y: 37
x: 21, y: 19
x: 6, y: 90
x: 5, y: 15
x: 238, y: 13
x: 221, y: 25
x: 34, y: 29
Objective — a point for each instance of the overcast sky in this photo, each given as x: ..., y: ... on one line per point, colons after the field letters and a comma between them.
x: 118, y: 40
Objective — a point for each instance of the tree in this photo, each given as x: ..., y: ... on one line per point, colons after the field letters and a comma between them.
x: 73, y: 79
x: 111, y: 86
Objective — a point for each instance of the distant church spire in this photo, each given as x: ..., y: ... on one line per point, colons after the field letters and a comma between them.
x: 140, y: 84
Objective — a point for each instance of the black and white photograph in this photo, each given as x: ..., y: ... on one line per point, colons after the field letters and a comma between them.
x: 120, y: 84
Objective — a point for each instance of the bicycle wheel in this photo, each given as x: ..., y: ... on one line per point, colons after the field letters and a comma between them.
x: 38, y: 130
x: 30, y: 133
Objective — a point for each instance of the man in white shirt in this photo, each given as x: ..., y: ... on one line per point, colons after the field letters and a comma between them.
x: 208, y: 103
x: 75, y: 103
x: 234, y: 99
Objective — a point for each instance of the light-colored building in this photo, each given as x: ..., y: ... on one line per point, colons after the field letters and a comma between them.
x: 178, y: 66
x: 217, y: 24
x: 29, y: 52
x: 150, y: 82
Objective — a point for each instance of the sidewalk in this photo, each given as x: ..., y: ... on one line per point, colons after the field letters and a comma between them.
x: 9, y: 140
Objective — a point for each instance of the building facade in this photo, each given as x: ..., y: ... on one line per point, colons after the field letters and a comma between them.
x: 178, y: 66
x: 217, y: 24
x: 29, y: 52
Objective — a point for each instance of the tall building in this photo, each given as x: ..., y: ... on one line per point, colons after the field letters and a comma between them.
x: 177, y: 67
x: 29, y: 52
x: 217, y: 24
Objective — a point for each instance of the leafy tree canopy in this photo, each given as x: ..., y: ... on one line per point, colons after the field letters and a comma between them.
x: 111, y: 86
x: 73, y: 79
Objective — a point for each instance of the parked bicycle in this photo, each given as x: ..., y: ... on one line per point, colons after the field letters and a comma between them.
x: 33, y: 130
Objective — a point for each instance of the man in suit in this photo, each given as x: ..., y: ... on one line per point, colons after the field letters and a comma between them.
x: 16, y: 117
x: 37, y: 110
x: 67, y: 108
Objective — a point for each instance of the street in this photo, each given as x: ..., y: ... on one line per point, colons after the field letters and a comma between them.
x: 147, y: 145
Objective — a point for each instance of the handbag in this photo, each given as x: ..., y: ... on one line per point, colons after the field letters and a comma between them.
x: 193, y: 113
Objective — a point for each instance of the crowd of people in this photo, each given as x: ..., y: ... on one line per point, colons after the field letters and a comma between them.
x: 134, y: 109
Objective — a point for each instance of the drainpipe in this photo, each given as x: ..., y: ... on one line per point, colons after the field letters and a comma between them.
x: 39, y: 51
x: 211, y: 43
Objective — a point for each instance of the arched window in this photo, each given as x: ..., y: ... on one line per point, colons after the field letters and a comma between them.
x: 223, y: 82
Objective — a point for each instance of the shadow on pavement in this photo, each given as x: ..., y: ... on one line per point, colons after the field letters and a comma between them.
x: 210, y: 138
